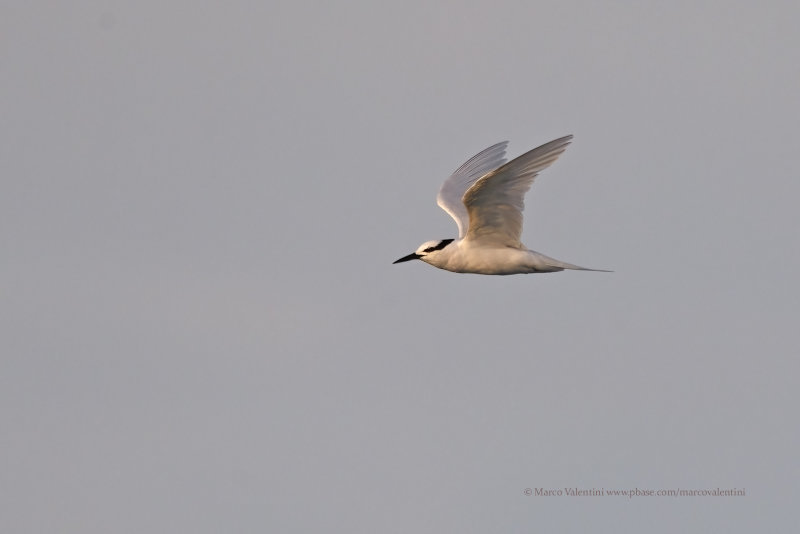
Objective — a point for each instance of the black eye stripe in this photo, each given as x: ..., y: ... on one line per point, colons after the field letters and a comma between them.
x: 443, y: 243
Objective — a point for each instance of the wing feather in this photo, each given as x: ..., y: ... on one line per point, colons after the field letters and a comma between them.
x: 451, y: 194
x: 496, y: 200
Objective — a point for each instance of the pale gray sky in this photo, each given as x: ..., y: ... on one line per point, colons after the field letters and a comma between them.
x: 201, y: 329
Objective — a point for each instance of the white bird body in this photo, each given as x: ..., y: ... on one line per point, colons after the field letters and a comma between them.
x: 485, y: 198
x: 464, y: 256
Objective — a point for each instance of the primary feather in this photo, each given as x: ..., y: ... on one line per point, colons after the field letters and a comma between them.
x: 451, y: 194
x: 495, y: 201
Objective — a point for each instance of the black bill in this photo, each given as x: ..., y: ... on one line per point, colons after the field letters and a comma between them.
x: 412, y: 256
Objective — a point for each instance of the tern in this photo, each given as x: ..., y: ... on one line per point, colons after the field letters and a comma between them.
x: 485, y: 196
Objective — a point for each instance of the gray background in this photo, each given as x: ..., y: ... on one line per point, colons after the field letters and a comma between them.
x: 202, y: 331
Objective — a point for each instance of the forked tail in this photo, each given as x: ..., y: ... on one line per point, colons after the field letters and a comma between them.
x: 558, y: 265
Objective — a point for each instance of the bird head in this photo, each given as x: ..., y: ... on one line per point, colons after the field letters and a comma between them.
x: 426, y: 249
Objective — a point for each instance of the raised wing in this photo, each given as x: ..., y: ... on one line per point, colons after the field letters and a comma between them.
x: 451, y: 195
x: 496, y: 201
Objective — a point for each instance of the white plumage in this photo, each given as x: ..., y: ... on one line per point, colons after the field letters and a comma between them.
x: 485, y: 196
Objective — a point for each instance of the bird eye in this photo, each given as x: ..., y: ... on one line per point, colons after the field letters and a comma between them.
x: 429, y: 249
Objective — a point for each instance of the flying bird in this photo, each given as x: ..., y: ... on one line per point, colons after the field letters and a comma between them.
x: 485, y: 196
